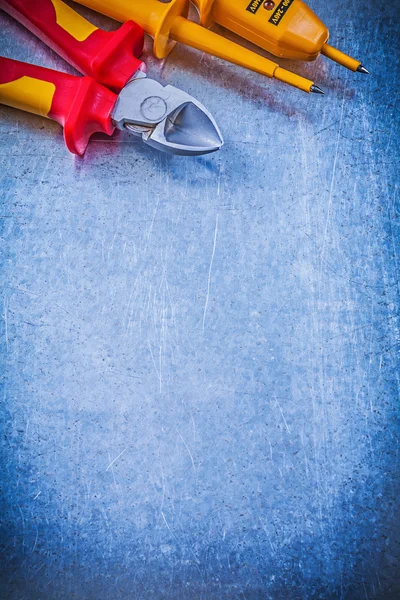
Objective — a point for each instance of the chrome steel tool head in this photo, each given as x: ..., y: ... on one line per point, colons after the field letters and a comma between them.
x: 166, y: 117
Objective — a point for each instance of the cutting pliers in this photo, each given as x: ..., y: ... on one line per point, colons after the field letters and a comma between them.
x: 115, y: 91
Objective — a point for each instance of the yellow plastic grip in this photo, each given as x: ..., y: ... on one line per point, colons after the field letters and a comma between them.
x: 29, y: 94
x: 71, y: 21
x: 286, y: 28
x: 340, y: 57
x: 189, y: 33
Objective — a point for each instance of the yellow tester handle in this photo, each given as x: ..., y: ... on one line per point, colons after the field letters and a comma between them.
x: 340, y: 57
x: 286, y: 28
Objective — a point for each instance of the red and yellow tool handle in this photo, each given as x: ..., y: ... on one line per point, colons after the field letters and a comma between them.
x: 80, y: 104
x: 110, y: 57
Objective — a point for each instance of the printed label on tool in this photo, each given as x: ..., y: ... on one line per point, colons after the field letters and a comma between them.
x: 254, y: 6
x: 278, y: 13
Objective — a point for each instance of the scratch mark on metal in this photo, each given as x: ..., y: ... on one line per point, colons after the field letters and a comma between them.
x: 188, y: 449
x: 166, y: 522
x: 154, y: 363
x: 283, y: 416
x: 116, y: 458
x: 209, y: 272
x: 332, y: 182
x: 6, y: 320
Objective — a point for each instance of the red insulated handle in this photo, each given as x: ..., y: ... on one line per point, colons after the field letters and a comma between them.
x: 80, y: 104
x: 110, y: 57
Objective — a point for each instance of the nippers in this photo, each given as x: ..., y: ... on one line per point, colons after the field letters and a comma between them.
x: 115, y: 91
x: 165, y: 117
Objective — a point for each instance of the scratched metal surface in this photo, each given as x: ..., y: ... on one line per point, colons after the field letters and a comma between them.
x: 199, y: 356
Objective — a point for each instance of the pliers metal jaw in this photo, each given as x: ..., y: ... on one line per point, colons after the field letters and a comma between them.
x: 166, y: 117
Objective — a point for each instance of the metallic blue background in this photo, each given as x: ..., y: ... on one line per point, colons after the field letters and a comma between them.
x: 200, y: 356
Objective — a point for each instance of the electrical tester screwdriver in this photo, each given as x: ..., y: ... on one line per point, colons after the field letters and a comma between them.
x: 166, y: 23
x: 285, y: 28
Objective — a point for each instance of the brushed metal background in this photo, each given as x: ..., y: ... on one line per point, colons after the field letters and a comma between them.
x: 200, y: 356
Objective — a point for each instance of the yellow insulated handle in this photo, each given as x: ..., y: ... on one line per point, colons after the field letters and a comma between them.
x: 50, y: 19
x: 340, y: 57
x: 29, y: 94
x: 191, y: 34
x: 26, y: 87
x: 71, y: 21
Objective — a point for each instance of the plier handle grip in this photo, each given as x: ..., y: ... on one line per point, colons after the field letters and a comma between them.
x: 115, y: 92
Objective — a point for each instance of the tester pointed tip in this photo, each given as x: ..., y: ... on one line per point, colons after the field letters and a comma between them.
x: 316, y: 90
x: 362, y: 69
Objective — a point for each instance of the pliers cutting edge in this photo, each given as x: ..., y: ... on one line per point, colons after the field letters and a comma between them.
x: 164, y: 117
